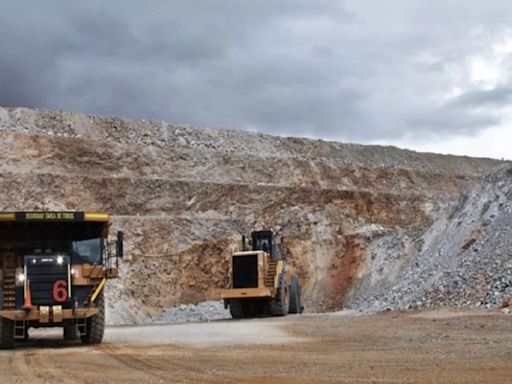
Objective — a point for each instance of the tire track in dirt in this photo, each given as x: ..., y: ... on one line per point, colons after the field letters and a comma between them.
x: 139, y: 365
x: 22, y: 369
x: 48, y: 365
x: 178, y: 371
x: 40, y: 366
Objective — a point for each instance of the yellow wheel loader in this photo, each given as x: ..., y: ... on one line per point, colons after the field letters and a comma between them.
x: 260, y: 282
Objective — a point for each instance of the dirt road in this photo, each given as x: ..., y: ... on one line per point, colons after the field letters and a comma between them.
x: 437, y: 347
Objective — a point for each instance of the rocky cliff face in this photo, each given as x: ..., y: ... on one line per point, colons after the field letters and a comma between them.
x: 465, y: 261
x: 184, y: 195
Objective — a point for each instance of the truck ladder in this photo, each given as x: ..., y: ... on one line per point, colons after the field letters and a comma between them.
x: 20, y: 330
x: 81, y: 327
x: 9, y: 282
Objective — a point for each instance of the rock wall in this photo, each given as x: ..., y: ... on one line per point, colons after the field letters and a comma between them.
x: 466, y: 259
x: 184, y: 195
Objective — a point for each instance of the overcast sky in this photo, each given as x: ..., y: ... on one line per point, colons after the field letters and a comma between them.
x: 429, y: 75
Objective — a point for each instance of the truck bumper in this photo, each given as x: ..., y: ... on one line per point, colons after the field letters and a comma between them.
x: 246, y: 293
x: 48, y: 315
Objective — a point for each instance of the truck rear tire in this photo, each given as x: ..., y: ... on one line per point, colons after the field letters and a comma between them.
x: 236, y: 308
x: 6, y: 334
x: 70, y: 333
x: 295, y: 299
x: 280, y: 306
x: 96, y: 324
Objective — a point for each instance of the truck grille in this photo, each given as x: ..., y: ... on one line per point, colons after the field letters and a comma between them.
x: 43, y: 272
x: 245, y: 271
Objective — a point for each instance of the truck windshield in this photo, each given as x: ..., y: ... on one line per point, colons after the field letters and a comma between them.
x: 87, y: 251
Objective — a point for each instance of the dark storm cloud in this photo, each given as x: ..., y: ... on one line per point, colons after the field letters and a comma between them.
x: 356, y: 70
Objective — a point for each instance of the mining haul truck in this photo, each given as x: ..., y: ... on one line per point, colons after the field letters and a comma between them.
x: 54, y: 266
x: 260, y: 282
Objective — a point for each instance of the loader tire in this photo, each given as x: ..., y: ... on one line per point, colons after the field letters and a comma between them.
x: 295, y: 299
x: 70, y: 333
x: 6, y: 334
x: 96, y: 324
x: 236, y: 308
x: 280, y: 306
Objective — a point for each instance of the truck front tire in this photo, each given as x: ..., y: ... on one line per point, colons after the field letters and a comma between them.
x: 70, y: 332
x: 96, y: 324
x: 6, y: 334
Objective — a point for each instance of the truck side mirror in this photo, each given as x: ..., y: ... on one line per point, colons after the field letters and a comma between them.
x: 119, y: 245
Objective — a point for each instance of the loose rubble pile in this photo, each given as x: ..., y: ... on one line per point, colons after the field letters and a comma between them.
x: 205, y: 311
x: 466, y: 258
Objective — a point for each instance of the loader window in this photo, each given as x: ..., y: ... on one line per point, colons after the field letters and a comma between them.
x: 265, y: 245
x: 263, y: 241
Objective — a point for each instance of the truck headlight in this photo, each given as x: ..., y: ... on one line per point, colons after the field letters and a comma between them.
x: 21, y: 277
x: 60, y: 260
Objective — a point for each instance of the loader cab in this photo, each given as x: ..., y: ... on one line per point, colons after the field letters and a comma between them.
x: 266, y: 241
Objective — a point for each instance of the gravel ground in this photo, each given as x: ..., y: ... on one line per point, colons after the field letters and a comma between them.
x: 434, y: 347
